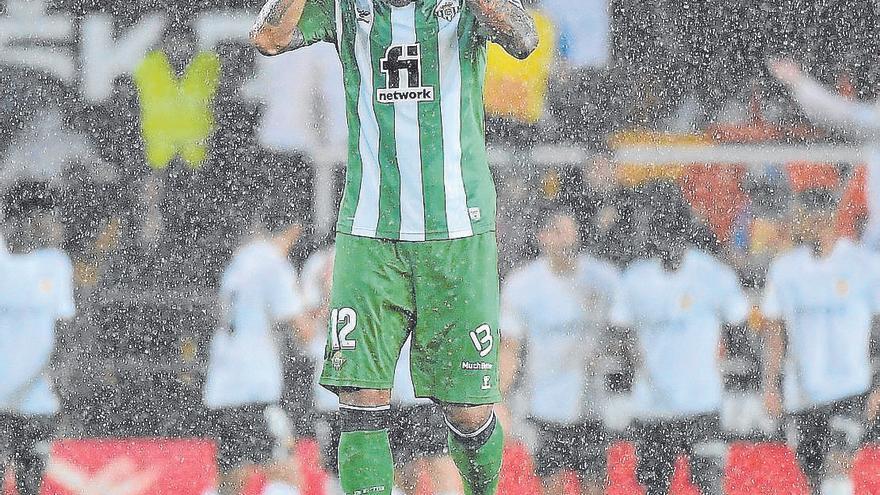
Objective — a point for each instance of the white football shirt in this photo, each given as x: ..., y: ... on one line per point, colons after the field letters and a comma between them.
x: 36, y: 291
x: 827, y: 306
x: 561, y: 319
x: 677, y: 318
x: 258, y: 289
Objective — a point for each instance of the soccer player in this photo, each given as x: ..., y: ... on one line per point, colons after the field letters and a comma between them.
x: 416, y: 252
x: 676, y: 303
x: 258, y: 292
x: 36, y: 294
x: 558, y: 306
x: 820, y: 301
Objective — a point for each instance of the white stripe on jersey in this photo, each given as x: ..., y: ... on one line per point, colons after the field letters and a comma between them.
x: 457, y: 216
x: 366, y: 216
x: 406, y: 126
x: 338, y: 19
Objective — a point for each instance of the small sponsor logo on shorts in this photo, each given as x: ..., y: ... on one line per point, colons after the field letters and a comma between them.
x: 338, y: 360
x: 475, y: 214
x: 487, y: 382
x: 466, y: 365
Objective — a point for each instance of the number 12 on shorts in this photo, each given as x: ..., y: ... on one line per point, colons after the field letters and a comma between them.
x: 346, y: 318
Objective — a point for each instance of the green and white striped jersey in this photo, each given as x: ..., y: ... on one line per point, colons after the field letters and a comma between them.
x: 413, y: 75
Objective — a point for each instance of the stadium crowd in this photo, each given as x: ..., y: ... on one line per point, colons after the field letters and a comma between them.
x: 677, y: 309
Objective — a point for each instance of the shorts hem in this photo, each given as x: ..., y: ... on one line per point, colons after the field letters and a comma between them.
x: 334, y: 384
x: 472, y: 400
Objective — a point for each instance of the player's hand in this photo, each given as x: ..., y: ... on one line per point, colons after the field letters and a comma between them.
x: 872, y: 408
x: 786, y: 70
x: 773, y: 402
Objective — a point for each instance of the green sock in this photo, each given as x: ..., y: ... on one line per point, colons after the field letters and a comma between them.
x: 478, y: 460
x: 365, y: 463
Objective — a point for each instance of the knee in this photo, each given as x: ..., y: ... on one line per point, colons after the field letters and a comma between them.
x: 364, y: 410
x: 467, y: 419
x: 364, y: 397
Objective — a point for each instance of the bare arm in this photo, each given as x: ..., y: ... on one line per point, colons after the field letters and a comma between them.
x: 276, y: 31
x: 826, y: 107
x: 508, y: 24
x: 774, y: 352
x: 508, y: 359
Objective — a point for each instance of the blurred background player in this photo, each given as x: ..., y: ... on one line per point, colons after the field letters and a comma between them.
x: 36, y: 294
x: 417, y: 433
x: 676, y: 303
x: 258, y: 294
x: 557, y: 307
x: 822, y: 300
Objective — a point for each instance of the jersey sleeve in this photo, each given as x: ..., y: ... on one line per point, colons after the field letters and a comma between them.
x: 65, y: 306
x: 733, y: 304
x: 318, y: 21
x: 284, y: 302
x: 771, y: 302
x: 621, y: 312
x: 873, y: 295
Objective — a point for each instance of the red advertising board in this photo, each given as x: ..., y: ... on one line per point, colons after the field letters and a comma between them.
x: 131, y: 467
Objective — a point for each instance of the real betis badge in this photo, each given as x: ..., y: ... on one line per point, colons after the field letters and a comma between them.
x: 447, y: 9
x: 338, y: 360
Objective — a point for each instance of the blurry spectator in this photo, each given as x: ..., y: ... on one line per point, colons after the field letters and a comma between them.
x: 821, y: 301
x: 258, y: 293
x: 676, y: 303
x: 557, y: 306
x: 36, y: 293
x: 417, y: 434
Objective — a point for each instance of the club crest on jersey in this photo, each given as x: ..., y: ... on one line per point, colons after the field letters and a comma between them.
x: 364, y: 15
x: 447, y: 9
x: 402, y: 66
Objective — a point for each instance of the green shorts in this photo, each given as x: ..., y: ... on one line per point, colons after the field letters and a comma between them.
x: 443, y: 293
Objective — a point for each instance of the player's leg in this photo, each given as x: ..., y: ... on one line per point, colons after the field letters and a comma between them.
x: 31, y: 452
x: 705, y: 471
x: 455, y: 349
x: 812, y: 443
x: 244, y: 442
x: 418, y: 439
x: 371, y: 314
x: 476, y: 443
x: 592, y: 458
x: 657, y: 451
x: 551, y: 455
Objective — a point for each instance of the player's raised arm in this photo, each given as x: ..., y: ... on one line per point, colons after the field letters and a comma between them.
x: 508, y: 24
x: 825, y: 107
x: 276, y: 31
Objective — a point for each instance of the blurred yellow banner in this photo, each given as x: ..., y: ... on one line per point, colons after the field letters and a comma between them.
x: 177, y: 115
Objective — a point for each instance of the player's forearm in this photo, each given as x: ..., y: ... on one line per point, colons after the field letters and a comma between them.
x: 508, y: 24
x: 508, y: 359
x: 826, y: 107
x: 276, y: 31
x: 774, y: 353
